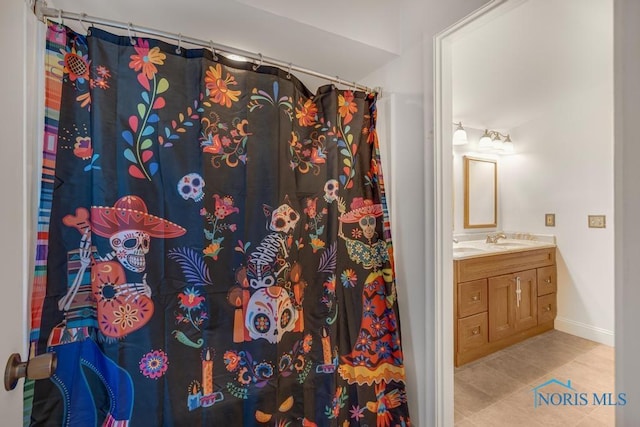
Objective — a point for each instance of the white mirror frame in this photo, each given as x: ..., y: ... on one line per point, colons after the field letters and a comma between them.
x: 443, y: 218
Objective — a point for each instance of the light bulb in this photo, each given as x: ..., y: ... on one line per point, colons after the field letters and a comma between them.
x: 507, y: 146
x: 485, y: 142
x: 460, y: 135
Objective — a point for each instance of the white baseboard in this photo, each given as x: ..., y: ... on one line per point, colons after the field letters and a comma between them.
x: 589, y: 332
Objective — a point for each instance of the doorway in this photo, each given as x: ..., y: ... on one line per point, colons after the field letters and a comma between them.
x: 575, y: 296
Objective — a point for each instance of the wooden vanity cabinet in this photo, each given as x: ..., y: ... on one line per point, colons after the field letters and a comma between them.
x: 502, y: 299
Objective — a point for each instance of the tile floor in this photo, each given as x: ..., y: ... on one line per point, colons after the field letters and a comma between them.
x: 497, y: 391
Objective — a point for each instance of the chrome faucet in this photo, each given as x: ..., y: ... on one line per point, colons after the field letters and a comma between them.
x: 493, y: 238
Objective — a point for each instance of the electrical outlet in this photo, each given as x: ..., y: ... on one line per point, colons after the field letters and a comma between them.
x: 597, y: 221
x: 550, y: 220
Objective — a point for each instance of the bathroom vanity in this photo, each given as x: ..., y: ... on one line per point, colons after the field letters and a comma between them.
x: 504, y: 292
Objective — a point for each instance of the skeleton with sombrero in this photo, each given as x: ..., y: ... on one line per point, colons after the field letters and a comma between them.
x: 373, y: 253
x: 129, y: 227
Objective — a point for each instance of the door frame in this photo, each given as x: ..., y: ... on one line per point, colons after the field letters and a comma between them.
x: 443, y: 201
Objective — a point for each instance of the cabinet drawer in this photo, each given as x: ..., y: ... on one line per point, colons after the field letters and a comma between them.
x: 472, y: 297
x: 547, y: 280
x: 472, y: 332
x: 547, y: 308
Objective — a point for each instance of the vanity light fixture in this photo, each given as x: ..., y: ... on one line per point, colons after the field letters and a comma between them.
x: 492, y: 140
x: 460, y: 135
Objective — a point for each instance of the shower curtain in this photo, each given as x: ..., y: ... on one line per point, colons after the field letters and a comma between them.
x: 213, y: 245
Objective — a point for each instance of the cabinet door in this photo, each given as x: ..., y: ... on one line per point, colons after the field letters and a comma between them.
x: 502, y: 310
x: 527, y: 304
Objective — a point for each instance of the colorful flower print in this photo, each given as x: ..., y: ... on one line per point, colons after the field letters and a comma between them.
x: 346, y: 106
x: 356, y: 412
x: 363, y: 343
x: 125, y: 316
x: 82, y: 148
x: 224, y: 206
x: 307, y: 113
x: 154, y: 364
x: 218, y: 88
x: 103, y: 72
x: 142, y: 126
x: 308, y: 154
x: 213, y: 249
x: 247, y: 371
x: 306, y: 343
x: 222, y: 143
x: 76, y: 64
x: 190, y: 299
x: 260, y: 98
x: 146, y: 59
x: 311, y: 209
x: 338, y: 402
x: 316, y: 244
x: 349, y: 278
x: 231, y: 360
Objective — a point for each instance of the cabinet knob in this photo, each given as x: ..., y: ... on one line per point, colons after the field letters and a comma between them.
x: 475, y: 298
x: 475, y: 331
x: 548, y: 308
x: 547, y: 280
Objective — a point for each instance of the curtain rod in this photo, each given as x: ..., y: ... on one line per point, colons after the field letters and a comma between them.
x: 42, y: 11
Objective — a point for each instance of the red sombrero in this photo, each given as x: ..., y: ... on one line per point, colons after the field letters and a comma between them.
x: 130, y: 213
x: 359, y: 209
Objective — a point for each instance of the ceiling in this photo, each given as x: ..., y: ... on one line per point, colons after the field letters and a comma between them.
x: 337, y: 38
x: 529, y: 58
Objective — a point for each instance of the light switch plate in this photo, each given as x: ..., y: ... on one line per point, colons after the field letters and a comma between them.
x: 597, y: 221
x: 550, y: 220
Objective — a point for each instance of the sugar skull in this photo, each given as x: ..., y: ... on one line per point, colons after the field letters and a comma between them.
x: 283, y: 219
x: 191, y: 187
x: 368, y: 225
x: 270, y: 314
x: 131, y: 246
x: 331, y: 190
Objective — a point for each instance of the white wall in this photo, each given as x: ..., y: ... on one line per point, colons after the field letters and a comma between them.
x: 627, y: 206
x: 554, y: 89
x: 15, y: 197
x: 412, y: 136
x: 564, y: 165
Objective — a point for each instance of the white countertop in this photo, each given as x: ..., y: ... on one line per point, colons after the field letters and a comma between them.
x: 479, y: 248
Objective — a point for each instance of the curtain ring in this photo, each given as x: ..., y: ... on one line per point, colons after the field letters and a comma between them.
x: 131, y: 39
x: 289, y: 71
x: 255, y: 67
x: 213, y: 51
x: 179, y: 49
x: 60, y: 18
x: 81, y: 20
x: 355, y: 87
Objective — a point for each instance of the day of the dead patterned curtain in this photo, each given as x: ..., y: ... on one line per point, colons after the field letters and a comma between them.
x: 213, y: 245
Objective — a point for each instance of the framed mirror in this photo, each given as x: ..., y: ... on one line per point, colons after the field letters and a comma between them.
x: 480, y: 192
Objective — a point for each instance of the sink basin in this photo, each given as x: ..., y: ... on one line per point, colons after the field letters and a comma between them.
x: 466, y: 249
x: 511, y: 244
